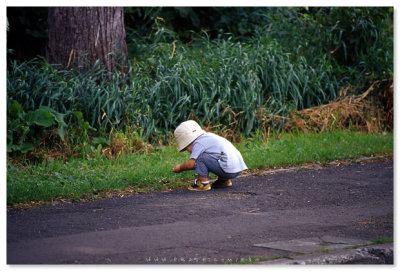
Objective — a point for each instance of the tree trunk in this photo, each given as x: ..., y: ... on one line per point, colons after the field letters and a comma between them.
x: 81, y: 35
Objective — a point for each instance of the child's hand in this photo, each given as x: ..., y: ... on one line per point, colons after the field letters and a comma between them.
x: 177, y: 169
x: 188, y: 165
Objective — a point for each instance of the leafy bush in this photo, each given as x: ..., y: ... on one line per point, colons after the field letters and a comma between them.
x: 37, y: 83
x: 21, y: 125
x: 34, y: 129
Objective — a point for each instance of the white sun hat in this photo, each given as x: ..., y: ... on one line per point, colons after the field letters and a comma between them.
x: 186, y: 133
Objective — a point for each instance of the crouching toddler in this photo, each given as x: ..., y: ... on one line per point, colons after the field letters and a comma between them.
x: 208, y: 153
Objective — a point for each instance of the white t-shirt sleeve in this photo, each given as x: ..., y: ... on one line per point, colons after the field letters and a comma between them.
x: 197, y: 149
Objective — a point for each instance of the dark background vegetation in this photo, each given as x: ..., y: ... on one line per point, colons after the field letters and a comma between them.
x: 353, y: 30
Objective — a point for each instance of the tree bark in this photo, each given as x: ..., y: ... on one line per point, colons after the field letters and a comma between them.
x: 81, y: 35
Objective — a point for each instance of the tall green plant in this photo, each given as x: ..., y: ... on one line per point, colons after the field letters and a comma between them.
x: 222, y: 81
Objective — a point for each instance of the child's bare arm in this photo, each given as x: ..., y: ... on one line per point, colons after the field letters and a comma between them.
x: 188, y: 165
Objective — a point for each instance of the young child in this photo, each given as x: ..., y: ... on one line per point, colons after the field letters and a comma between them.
x: 208, y: 153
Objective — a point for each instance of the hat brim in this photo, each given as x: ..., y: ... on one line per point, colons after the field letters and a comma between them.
x: 185, y: 142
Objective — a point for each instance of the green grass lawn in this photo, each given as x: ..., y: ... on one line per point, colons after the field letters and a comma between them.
x: 80, y: 179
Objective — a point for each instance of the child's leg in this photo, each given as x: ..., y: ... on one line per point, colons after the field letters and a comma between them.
x: 205, y: 164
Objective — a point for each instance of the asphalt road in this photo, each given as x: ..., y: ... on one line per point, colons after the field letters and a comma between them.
x: 353, y: 202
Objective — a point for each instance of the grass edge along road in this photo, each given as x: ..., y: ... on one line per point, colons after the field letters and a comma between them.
x: 78, y: 179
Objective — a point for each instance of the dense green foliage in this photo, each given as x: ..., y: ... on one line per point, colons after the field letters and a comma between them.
x: 246, y: 63
x: 358, y: 40
x: 214, y: 81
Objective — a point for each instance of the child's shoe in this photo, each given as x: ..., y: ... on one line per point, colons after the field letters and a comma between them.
x: 220, y: 183
x: 199, y: 186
